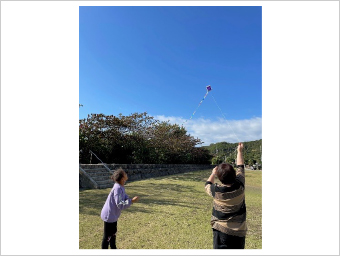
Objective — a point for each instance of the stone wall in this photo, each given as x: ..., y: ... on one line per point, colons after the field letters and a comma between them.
x: 145, y: 171
x: 85, y: 181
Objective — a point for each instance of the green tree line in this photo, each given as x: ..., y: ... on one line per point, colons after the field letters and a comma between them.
x: 138, y: 139
x: 226, y: 152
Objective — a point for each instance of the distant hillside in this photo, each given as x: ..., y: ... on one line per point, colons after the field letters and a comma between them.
x: 226, y: 152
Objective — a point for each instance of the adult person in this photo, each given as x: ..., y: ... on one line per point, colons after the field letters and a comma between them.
x: 228, y: 218
x: 116, y: 201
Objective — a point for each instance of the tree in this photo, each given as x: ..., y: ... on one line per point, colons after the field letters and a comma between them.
x: 137, y: 138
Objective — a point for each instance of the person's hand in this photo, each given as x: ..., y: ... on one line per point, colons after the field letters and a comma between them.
x: 214, y: 171
x: 135, y: 199
x: 240, y: 147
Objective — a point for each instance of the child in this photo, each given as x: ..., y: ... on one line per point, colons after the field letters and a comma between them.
x: 116, y: 201
x: 228, y: 218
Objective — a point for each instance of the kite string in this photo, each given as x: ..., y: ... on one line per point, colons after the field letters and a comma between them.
x: 245, y: 151
x: 228, y: 122
x: 226, y: 119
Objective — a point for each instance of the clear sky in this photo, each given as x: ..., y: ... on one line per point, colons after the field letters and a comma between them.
x: 159, y: 60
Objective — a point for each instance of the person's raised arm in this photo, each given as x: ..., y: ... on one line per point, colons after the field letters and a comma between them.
x: 239, y: 160
x: 240, y: 175
x: 212, y: 175
x: 210, y: 182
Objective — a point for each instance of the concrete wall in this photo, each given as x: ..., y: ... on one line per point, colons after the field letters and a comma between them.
x: 85, y: 181
x: 145, y: 171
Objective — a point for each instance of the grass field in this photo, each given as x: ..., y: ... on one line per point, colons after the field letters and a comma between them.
x: 173, y: 213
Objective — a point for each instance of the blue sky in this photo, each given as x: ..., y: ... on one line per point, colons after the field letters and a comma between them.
x: 159, y: 60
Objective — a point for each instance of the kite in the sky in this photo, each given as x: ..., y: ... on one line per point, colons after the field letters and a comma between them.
x: 208, y: 90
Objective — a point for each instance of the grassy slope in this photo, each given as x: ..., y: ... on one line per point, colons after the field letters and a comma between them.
x: 173, y: 213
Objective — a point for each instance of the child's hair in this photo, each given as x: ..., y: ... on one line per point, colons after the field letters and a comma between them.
x: 226, y: 173
x: 118, y: 175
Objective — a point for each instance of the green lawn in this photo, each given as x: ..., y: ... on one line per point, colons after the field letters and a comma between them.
x: 173, y: 213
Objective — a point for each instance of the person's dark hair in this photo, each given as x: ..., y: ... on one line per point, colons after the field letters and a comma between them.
x: 118, y: 175
x: 226, y: 173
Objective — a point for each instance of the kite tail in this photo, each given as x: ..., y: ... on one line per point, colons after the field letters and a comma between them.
x: 206, y: 94
x: 199, y: 104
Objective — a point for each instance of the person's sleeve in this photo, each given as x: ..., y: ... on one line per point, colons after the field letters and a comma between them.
x: 121, y: 199
x: 240, y: 175
x: 208, y: 188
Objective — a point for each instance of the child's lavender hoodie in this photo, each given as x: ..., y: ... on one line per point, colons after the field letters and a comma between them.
x: 116, y: 201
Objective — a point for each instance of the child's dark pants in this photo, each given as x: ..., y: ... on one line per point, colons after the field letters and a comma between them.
x: 224, y: 241
x: 110, y: 230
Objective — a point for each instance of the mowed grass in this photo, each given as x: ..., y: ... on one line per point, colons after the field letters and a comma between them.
x: 173, y: 213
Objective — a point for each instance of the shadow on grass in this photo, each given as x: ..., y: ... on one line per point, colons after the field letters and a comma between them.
x: 165, y: 194
x: 160, y: 189
x: 198, y: 176
x: 91, y: 201
x: 157, y: 201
